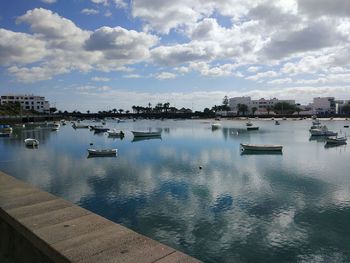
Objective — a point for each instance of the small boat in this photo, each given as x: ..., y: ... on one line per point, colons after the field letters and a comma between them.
x: 146, y: 134
x: 31, y: 142
x: 323, y: 131
x: 216, y: 126
x: 5, y: 128
x: 101, y: 129
x: 79, y: 126
x: 336, y: 140
x: 115, y: 133
x: 249, y: 123
x: 316, y: 122
x: 5, y: 134
x: 102, y: 152
x: 255, y: 128
x: 277, y: 123
x: 346, y: 126
x: 284, y: 118
x: 261, y: 147
x: 56, y: 127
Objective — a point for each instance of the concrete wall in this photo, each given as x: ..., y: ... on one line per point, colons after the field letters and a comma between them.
x: 36, y: 226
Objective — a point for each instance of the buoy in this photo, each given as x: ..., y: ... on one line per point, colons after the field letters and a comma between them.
x: 200, y: 167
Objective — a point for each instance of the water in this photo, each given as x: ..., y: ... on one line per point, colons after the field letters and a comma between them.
x: 237, y: 208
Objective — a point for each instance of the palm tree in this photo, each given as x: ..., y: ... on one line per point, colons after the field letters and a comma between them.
x: 114, y: 111
x: 166, y: 106
x: 88, y: 112
x: 120, y: 111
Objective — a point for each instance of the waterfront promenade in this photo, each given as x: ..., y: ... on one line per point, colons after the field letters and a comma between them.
x: 36, y: 226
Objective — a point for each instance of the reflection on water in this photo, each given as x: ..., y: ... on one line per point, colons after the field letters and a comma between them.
x: 244, y: 208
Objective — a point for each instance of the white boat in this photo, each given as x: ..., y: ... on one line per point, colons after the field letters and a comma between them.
x: 146, y: 134
x: 322, y: 131
x: 102, y: 152
x: 31, y: 142
x: 115, y: 133
x: 316, y: 122
x: 261, y: 147
x: 336, y: 140
x: 216, y: 126
x: 79, y: 126
x: 249, y: 123
x: 56, y: 127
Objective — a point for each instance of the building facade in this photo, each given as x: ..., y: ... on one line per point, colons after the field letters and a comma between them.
x: 324, y: 105
x: 27, y: 102
x: 260, y: 106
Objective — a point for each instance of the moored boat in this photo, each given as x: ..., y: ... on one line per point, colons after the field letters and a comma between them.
x: 336, y: 140
x: 5, y: 134
x: 31, y: 142
x: 277, y: 123
x: 79, y: 126
x: 115, y: 133
x: 249, y: 123
x: 255, y: 128
x: 4, y: 128
x: 261, y: 147
x: 322, y: 131
x: 56, y: 127
x: 146, y: 134
x: 216, y: 126
x: 102, y: 152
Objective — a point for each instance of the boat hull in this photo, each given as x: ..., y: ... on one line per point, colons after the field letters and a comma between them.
x: 31, y: 142
x: 264, y: 148
x: 109, y: 152
x: 146, y: 134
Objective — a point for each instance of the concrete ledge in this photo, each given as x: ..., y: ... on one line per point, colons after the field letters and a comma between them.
x: 36, y: 226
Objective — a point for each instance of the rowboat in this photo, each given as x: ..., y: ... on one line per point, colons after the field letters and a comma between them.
x: 261, y: 147
x: 102, y: 152
x: 79, y: 126
x: 31, y: 142
x: 146, y: 134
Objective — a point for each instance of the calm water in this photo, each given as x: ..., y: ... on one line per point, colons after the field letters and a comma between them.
x: 237, y: 208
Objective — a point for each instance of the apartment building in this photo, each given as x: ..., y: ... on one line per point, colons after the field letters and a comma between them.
x: 27, y: 102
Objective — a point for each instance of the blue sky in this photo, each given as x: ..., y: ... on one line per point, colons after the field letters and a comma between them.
x: 104, y: 54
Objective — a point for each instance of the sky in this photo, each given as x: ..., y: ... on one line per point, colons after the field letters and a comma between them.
x: 104, y: 54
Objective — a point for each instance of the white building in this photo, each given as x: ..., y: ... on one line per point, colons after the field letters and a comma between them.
x: 27, y: 102
x: 324, y: 105
x: 262, y: 106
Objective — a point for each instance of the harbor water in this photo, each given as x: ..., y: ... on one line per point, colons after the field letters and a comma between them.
x: 194, y: 190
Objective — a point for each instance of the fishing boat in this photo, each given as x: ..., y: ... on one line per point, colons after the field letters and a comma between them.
x: 146, y: 134
x: 322, y: 131
x: 336, y: 140
x: 31, y: 142
x: 216, y: 126
x: 115, y: 133
x: 261, y: 147
x: 255, y: 128
x: 102, y: 152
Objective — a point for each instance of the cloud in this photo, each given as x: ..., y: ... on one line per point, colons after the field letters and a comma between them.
x: 165, y: 75
x: 48, y: 1
x: 103, y: 2
x: 88, y: 11
x: 260, y: 75
x: 100, y: 79
x: 20, y: 48
x: 339, y: 8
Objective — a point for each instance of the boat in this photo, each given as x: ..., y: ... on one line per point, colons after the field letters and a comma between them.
x: 137, y: 139
x: 5, y: 134
x: 146, y: 134
x: 31, y: 142
x: 115, y: 133
x: 79, y: 126
x: 277, y: 123
x: 322, y: 131
x: 101, y: 129
x: 102, y: 152
x: 261, y: 147
x: 346, y: 126
x: 336, y: 140
x: 316, y: 122
x: 56, y: 127
x: 249, y: 123
x: 216, y: 126
x: 284, y: 118
x: 255, y: 128
x: 5, y: 128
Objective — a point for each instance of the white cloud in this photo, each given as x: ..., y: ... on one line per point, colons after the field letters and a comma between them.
x: 260, y: 75
x: 103, y: 2
x: 280, y: 81
x: 165, y: 75
x: 90, y: 11
x: 132, y: 76
x: 48, y: 1
x: 100, y: 79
